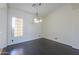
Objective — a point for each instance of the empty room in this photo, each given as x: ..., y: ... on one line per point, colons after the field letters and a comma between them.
x: 39, y: 28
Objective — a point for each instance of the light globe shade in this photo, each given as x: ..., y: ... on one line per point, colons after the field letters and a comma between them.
x: 40, y: 20
x: 36, y: 20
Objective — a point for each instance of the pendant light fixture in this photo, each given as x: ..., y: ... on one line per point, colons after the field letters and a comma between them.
x: 37, y: 18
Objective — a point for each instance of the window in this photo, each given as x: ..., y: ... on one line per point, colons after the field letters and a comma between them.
x: 17, y: 26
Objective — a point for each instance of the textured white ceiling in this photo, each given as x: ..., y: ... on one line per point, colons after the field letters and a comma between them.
x: 44, y: 9
x: 3, y: 5
x: 75, y: 6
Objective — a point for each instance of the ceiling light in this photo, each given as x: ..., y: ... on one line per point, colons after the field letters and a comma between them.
x: 37, y: 19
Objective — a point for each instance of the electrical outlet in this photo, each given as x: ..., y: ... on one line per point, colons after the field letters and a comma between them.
x: 12, y: 40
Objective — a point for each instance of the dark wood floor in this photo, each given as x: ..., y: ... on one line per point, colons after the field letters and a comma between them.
x: 40, y: 47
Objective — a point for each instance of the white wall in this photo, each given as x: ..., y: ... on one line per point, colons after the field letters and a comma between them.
x: 3, y: 25
x: 31, y: 30
x: 75, y: 27
x: 60, y: 25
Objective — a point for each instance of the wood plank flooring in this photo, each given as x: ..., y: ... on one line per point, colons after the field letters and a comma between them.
x: 40, y: 47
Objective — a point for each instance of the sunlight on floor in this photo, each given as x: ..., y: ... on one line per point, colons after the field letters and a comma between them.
x: 17, y: 52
